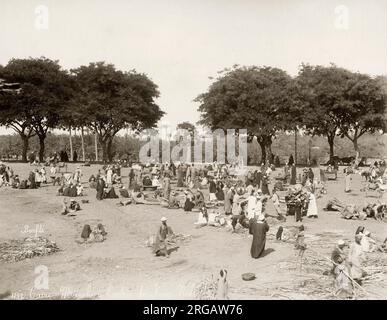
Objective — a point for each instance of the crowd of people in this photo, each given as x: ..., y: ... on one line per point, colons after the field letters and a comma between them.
x: 222, y: 195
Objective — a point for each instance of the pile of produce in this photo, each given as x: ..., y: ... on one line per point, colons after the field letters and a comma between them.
x: 16, y: 250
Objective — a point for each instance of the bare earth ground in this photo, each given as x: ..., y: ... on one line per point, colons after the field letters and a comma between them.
x: 123, y: 267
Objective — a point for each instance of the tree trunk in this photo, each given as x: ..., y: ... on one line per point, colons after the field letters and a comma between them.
x: 331, y: 146
x: 263, y: 150
x: 41, y: 150
x: 295, y: 146
x: 356, y: 147
x: 96, y: 146
x: 25, y: 140
x: 71, y: 146
x: 83, y: 145
x: 109, y: 149
x: 104, y: 150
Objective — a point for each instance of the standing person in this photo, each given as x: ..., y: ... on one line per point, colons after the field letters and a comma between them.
x: 131, y: 178
x: 160, y: 246
x: 286, y: 173
x: 356, y: 258
x: 180, y: 176
x: 100, y: 188
x: 212, y: 189
x: 78, y: 175
x: 219, y: 190
x: 257, y: 178
x: 265, y: 185
x: 312, y: 206
x: 38, y: 178
x: 258, y: 227
x: 53, y: 172
x: 228, y: 201
x: 251, y: 205
x: 75, y: 156
x: 291, y: 160
x: 43, y: 176
x: 109, y: 175
x: 338, y: 255
x: 348, y: 178
x: 236, y: 201
x: 166, y: 185
x: 293, y: 173
x: 188, y: 175
x: 310, y: 175
x: 276, y: 203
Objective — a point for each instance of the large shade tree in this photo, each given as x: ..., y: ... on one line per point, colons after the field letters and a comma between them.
x: 110, y: 100
x: 320, y: 93
x: 45, y: 91
x: 363, y: 108
x: 338, y: 102
x: 13, y: 114
x: 251, y: 98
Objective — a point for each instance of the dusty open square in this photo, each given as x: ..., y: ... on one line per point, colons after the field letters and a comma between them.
x: 124, y: 267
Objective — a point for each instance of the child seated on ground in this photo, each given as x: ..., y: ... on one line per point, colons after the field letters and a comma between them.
x: 70, y: 208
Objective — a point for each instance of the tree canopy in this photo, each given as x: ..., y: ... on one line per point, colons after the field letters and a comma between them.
x: 110, y: 100
x: 45, y: 92
x: 251, y: 98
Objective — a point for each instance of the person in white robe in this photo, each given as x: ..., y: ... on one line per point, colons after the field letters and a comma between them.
x: 109, y: 175
x: 356, y: 259
x: 312, y: 206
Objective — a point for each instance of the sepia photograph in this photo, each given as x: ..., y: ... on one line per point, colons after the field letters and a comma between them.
x: 193, y: 150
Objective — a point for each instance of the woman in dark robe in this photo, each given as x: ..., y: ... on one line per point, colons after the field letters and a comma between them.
x: 258, y: 228
x: 188, y: 204
x: 311, y: 175
x: 100, y: 188
x: 31, y: 179
x: 291, y: 160
x: 293, y: 175
x: 180, y: 177
x: 265, y: 185
x: 72, y: 191
x: 131, y: 178
x: 219, y: 191
x: 257, y: 179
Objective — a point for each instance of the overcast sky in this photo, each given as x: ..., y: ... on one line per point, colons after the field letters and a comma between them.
x: 180, y: 43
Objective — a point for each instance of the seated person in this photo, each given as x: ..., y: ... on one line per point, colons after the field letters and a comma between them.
x: 92, y: 182
x: 98, y: 234
x: 72, y: 207
x: 79, y: 190
x: 23, y: 184
x: 70, y: 191
x: 173, y: 203
x: 123, y: 192
x: 199, y: 198
x: 141, y: 198
x: 116, y: 179
x: 189, y: 204
x: 110, y: 193
x: 155, y: 182
x: 203, y: 216
x: 146, y: 181
x: 241, y: 217
x: 16, y: 182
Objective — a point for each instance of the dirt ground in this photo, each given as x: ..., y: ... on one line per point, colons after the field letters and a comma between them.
x: 123, y: 267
